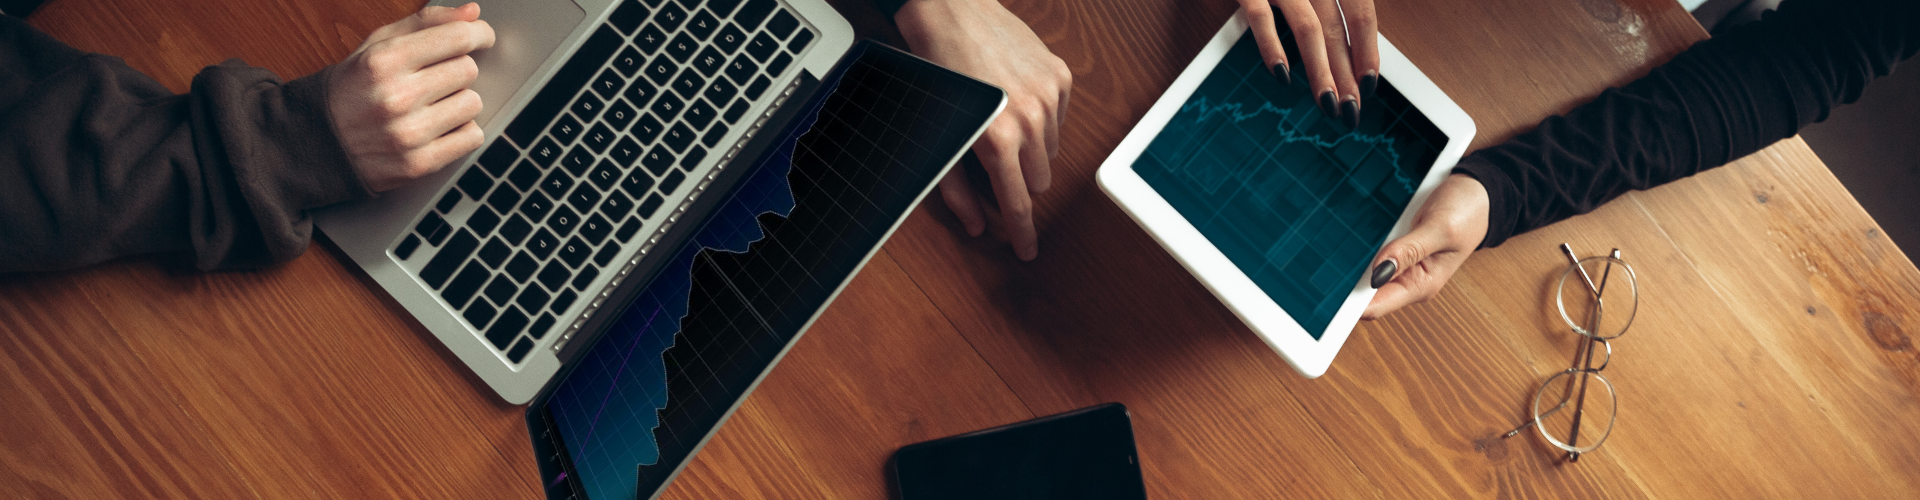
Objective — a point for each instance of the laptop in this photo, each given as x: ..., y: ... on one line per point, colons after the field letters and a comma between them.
x: 612, y: 127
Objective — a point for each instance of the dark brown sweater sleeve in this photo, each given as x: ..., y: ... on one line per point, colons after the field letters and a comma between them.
x: 1720, y: 100
x: 98, y: 161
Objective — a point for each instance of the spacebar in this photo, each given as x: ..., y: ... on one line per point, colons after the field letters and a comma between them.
x: 565, y: 83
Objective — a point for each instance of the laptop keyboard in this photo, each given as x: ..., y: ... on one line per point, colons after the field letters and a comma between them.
x: 594, y: 156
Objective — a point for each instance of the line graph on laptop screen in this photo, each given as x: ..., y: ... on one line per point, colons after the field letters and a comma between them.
x: 759, y: 268
x: 1299, y: 202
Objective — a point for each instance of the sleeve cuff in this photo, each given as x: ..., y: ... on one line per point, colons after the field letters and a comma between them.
x: 1501, y: 197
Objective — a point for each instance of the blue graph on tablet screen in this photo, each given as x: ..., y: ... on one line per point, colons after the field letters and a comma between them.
x: 1299, y: 202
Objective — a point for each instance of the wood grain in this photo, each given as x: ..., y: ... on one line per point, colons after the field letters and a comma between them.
x: 1774, y: 355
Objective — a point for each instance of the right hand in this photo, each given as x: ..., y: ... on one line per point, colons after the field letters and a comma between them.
x: 1338, y: 74
x: 400, y: 102
x: 1447, y: 229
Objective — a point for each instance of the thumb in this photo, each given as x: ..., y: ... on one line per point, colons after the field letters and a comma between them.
x: 1401, y: 254
x: 427, y: 17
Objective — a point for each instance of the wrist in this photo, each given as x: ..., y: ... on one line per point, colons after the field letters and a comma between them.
x: 918, y: 19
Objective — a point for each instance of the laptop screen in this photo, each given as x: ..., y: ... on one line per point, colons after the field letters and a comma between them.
x: 639, y: 402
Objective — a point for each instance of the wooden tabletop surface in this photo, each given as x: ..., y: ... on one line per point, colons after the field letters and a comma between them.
x: 1772, y: 356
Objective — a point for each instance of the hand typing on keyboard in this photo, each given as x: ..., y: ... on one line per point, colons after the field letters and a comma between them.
x: 400, y: 103
x: 982, y: 39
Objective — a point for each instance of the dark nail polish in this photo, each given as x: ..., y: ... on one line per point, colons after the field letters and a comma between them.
x: 1350, y: 111
x: 1327, y: 106
x: 1281, y: 73
x: 1368, y: 82
x: 1384, y: 272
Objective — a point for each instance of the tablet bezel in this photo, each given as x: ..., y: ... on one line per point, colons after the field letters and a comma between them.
x: 1194, y: 251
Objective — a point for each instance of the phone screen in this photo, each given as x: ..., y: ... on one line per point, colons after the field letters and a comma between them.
x: 1085, y: 453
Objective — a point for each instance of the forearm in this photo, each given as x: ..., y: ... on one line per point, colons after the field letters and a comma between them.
x: 98, y: 161
x: 1720, y: 100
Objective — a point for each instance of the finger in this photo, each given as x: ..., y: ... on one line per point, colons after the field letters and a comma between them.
x: 1001, y: 157
x: 433, y: 156
x: 1339, y: 59
x: 448, y: 114
x: 1036, y: 156
x: 1365, y: 28
x: 445, y: 78
x: 1403, y: 254
x: 426, y: 17
x: 429, y: 46
x: 1309, y: 37
x: 961, y: 200
x: 1267, y: 36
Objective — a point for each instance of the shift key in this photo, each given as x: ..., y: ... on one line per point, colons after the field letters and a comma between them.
x: 449, y: 259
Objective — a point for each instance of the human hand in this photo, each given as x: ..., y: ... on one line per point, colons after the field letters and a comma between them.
x: 400, y: 102
x: 1445, y: 231
x: 1338, y: 72
x: 985, y: 41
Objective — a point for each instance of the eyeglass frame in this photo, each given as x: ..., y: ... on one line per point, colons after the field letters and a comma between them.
x: 1583, y: 356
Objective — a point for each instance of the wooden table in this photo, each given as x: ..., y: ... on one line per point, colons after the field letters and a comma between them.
x: 1773, y: 356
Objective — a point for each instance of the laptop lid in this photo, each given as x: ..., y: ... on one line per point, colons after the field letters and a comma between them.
x: 876, y: 134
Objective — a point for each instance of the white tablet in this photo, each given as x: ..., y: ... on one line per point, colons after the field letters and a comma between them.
x: 1276, y: 208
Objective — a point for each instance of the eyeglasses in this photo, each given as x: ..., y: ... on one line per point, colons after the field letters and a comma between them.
x: 1592, y: 411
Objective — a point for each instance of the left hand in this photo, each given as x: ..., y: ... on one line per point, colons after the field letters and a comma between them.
x: 985, y: 41
x: 400, y: 102
x: 1447, y: 229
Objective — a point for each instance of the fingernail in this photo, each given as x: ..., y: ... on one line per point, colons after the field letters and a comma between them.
x: 1368, y: 82
x: 1281, y: 73
x: 1384, y: 272
x: 1350, y: 110
x: 1326, y: 105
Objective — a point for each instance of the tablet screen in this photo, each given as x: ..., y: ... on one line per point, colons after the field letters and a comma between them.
x: 1298, y: 201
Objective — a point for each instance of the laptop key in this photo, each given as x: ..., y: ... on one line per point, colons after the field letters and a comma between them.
x: 500, y: 290
x: 524, y: 176
x: 627, y: 230
x: 625, y: 152
x: 642, y: 90
x: 755, y: 11
x: 681, y: 47
x: 519, y: 350
x: 544, y: 153
x: 709, y: 61
x: 516, y: 229
x: 722, y: 7
x: 647, y: 129
x: 465, y: 284
x: 762, y: 47
x: 506, y: 328
x: 542, y: 244
x: 596, y: 229
x: 575, y: 252
x: 667, y: 107
x: 629, y: 61
x: 734, y: 112
x: 669, y: 17
x: 800, y: 41
x: 713, y: 135
x: 605, y: 175
x: 444, y: 263
x: 482, y: 221
x: 671, y: 181
x: 702, y: 25
x: 609, y: 83
x: 474, y: 182
x: 541, y: 326
x: 522, y: 267
x: 499, y: 157
x: 730, y: 38
x: 637, y: 183
x: 495, y: 253
x: 678, y: 137
x: 597, y: 138
x: 587, y: 107
x: 692, y: 159
x: 585, y: 278
x: 721, y: 91
x: 584, y: 196
x: 557, y: 184
x: 479, y: 314
x: 662, y: 69
x: 504, y: 198
x: 629, y: 16
x: 759, y: 86
x: 533, y: 298
x: 563, y: 221
x: 562, y: 300
x: 554, y: 276
x: 429, y: 224
x: 564, y: 129
x: 406, y: 248
x: 782, y: 24
x: 619, y: 114
x: 650, y: 39
x: 607, y: 253
x: 779, y: 64
x: 647, y: 208
x: 577, y: 161
x: 617, y: 204
x: 742, y: 68
x: 689, y: 84
x: 536, y: 205
x: 658, y: 160
x: 699, y: 114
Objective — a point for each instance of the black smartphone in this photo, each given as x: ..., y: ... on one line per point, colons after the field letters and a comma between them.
x: 1085, y: 453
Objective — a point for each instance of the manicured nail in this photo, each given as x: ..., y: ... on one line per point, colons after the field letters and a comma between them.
x: 1326, y: 105
x: 1350, y: 110
x: 1281, y: 73
x: 1368, y: 82
x: 1384, y: 272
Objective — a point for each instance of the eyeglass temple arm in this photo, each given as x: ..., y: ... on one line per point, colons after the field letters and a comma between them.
x: 1574, y: 259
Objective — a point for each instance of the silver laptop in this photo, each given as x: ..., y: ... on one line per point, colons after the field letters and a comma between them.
x: 605, y: 121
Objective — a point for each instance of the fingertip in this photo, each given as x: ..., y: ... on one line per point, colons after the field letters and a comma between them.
x: 1028, y: 252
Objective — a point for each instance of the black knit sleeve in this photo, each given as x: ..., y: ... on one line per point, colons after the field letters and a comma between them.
x: 98, y: 161
x: 1718, y: 101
